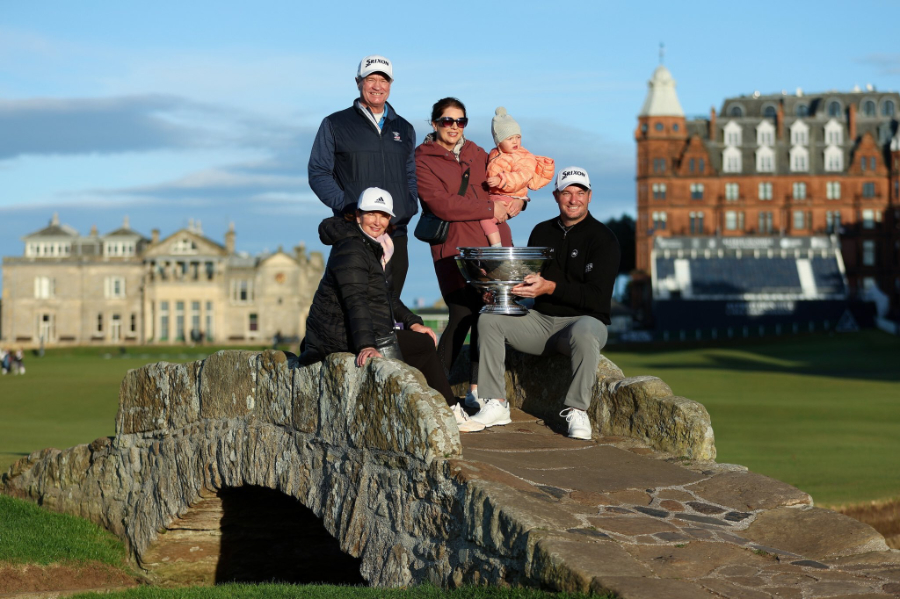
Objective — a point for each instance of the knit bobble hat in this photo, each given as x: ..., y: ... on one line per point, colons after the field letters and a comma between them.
x: 503, y: 126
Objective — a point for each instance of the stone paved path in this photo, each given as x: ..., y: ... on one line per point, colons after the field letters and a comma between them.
x: 622, y: 517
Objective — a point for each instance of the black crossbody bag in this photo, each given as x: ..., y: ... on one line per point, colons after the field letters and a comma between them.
x: 432, y: 229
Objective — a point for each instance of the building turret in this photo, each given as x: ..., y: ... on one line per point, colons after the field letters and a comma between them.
x: 229, y: 239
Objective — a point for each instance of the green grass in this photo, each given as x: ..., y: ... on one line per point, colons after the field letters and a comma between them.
x: 31, y: 535
x: 272, y: 591
x: 819, y: 412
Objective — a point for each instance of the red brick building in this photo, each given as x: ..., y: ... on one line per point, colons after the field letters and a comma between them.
x: 774, y: 165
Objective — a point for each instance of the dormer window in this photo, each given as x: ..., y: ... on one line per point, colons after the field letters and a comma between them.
x: 731, y: 160
x: 834, y: 109
x: 732, y: 134
x: 765, y: 134
x: 887, y: 108
x: 799, y: 134
x: 736, y: 111
x: 834, y: 159
x: 802, y: 110
x: 770, y: 112
x: 868, y: 108
x: 765, y: 160
x: 799, y: 159
x: 834, y: 133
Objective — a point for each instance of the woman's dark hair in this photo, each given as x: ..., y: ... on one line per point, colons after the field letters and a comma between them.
x: 350, y: 217
x: 443, y: 104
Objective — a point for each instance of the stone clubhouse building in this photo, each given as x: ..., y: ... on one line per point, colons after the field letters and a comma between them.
x: 122, y: 288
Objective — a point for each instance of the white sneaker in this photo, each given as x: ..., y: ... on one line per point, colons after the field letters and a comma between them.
x: 494, y: 412
x: 473, y: 401
x: 464, y: 422
x: 579, y: 423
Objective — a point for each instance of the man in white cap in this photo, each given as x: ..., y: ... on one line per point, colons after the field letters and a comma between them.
x: 369, y: 145
x: 571, y: 308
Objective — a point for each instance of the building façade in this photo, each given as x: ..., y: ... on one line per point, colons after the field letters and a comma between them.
x: 123, y: 288
x: 774, y: 165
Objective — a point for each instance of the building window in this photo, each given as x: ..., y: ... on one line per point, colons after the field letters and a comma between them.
x: 765, y: 222
x: 765, y: 134
x: 133, y: 326
x: 868, y: 219
x: 696, y: 191
x: 732, y: 192
x: 702, y: 167
x: 734, y: 221
x: 765, y: 191
x: 731, y: 160
x: 253, y: 324
x: 119, y: 249
x: 799, y: 159
x: 658, y: 126
x: 833, y: 190
x: 692, y: 165
x: 799, y: 191
x: 44, y: 287
x: 163, y: 321
x: 887, y: 108
x: 834, y: 159
x: 696, y: 223
x: 868, y: 108
x: 209, y: 321
x: 659, y: 165
x: 659, y: 221
x: 114, y: 287
x: 800, y: 220
x: 99, y: 327
x: 799, y: 134
x: 732, y: 134
x: 834, y: 108
x: 868, y: 253
x: 179, y: 321
x: 802, y: 110
x: 770, y: 112
x: 659, y: 191
x: 765, y: 160
x: 833, y: 222
x: 737, y: 111
x: 195, y: 321
x: 868, y: 190
x: 242, y: 291
x: 871, y: 163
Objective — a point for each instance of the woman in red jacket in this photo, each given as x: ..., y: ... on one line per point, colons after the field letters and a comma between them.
x: 441, y: 163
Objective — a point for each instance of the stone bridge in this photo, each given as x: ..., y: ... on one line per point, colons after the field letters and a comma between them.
x: 245, y: 467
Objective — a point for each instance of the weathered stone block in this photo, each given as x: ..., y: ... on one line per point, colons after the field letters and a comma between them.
x: 228, y: 385
x: 158, y: 397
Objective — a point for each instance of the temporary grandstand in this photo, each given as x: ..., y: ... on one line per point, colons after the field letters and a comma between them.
x: 727, y: 286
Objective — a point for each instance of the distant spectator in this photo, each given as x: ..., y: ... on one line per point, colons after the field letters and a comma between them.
x: 4, y: 361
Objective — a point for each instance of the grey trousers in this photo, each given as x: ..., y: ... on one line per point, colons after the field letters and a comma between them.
x: 579, y: 337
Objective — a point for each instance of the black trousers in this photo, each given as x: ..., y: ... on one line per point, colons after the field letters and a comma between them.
x: 418, y: 352
x: 399, y: 264
x: 463, y: 305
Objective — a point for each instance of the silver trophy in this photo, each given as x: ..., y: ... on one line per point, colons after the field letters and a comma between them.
x: 498, y: 270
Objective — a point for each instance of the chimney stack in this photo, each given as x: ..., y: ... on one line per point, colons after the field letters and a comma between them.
x: 851, y: 122
x: 93, y: 230
x: 229, y: 239
x: 712, y: 123
x: 154, y: 236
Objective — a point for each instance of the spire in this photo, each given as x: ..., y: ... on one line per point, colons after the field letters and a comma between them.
x: 126, y: 224
x: 661, y: 97
x: 54, y: 220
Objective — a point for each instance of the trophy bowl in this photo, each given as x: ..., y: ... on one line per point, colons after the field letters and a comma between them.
x: 498, y: 270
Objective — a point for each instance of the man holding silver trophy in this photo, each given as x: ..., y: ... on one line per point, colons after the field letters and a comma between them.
x: 571, y: 308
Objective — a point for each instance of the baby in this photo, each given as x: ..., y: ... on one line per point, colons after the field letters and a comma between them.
x: 512, y: 170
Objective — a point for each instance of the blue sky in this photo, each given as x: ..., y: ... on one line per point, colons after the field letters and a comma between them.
x: 204, y: 110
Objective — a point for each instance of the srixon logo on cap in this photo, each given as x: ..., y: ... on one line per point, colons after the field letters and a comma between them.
x: 570, y: 173
x: 370, y: 61
x: 380, y: 200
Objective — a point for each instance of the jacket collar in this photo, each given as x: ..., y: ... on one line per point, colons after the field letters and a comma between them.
x: 588, y: 217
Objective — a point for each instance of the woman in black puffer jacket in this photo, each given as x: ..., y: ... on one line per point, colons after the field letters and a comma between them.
x: 353, y: 306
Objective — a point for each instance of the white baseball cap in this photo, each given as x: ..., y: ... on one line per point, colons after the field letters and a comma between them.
x: 375, y: 199
x: 375, y: 64
x: 572, y: 175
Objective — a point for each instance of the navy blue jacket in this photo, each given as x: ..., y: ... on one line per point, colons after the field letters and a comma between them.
x: 350, y: 155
